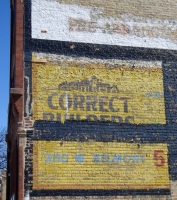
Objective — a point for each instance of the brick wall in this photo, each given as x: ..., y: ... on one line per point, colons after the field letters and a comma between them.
x: 100, y: 100
x: 16, y: 100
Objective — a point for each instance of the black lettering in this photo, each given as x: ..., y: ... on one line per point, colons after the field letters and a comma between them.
x: 125, y: 100
x: 111, y: 104
x: 91, y: 102
x: 68, y: 101
x: 103, y: 117
x: 78, y: 117
x: 114, y: 119
x: 48, y: 116
x: 129, y: 118
x: 59, y: 117
x: 103, y: 103
x: 71, y: 117
x: 92, y: 118
x: 50, y: 101
x: 78, y: 102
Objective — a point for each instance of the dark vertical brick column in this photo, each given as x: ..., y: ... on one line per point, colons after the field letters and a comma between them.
x: 21, y: 144
x: 19, y: 83
x: 18, y: 78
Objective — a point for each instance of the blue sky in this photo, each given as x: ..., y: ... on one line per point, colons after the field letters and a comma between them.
x: 4, y: 60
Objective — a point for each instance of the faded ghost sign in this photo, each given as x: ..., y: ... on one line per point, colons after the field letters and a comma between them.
x: 119, y: 23
x: 99, y: 165
x: 97, y: 91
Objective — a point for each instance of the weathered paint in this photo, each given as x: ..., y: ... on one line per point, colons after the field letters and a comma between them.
x: 98, y: 91
x: 99, y: 165
x: 81, y: 32
x: 116, y: 24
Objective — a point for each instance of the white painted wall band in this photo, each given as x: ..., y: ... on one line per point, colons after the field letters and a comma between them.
x: 54, y: 21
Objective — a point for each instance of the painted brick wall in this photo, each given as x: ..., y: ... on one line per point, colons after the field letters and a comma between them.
x: 100, y: 99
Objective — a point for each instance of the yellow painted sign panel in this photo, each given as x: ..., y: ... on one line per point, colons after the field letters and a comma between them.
x: 99, y: 165
x: 76, y: 91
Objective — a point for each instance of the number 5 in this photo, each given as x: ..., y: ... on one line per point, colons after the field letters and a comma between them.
x: 158, y: 157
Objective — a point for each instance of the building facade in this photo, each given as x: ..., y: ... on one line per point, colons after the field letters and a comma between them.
x: 93, y: 102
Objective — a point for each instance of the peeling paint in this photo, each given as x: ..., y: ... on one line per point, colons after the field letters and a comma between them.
x: 76, y: 23
x: 28, y: 96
